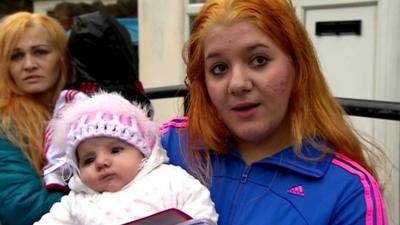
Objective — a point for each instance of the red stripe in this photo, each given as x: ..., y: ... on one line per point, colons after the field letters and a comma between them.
x: 66, y: 97
x: 72, y: 94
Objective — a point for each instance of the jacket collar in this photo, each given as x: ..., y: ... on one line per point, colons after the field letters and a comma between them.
x: 313, y: 164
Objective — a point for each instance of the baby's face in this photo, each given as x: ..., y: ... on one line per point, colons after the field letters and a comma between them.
x: 107, y: 164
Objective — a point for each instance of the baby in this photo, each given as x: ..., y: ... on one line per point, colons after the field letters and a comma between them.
x: 119, y: 170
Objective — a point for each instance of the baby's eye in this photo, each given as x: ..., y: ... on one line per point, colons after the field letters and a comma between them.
x: 88, y: 161
x: 117, y: 149
x: 259, y: 61
x: 218, y: 69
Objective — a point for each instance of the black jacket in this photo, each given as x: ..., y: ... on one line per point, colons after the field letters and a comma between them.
x: 104, y: 57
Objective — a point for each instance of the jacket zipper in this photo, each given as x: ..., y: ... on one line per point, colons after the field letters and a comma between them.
x: 243, y: 180
x: 245, y: 175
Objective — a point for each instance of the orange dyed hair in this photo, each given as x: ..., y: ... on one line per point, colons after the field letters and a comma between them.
x: 313, y: 111
x: 23, y: 117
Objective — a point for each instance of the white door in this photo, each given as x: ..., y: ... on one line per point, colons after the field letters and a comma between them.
x: 350, y: 63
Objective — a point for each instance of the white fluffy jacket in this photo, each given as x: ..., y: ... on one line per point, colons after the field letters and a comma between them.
x: 157, y: 187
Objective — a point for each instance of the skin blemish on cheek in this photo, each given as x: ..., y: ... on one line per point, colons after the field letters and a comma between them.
x: 282, y: 86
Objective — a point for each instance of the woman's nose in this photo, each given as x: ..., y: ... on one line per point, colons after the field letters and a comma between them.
x: 29, y: 62
x: 239, y: 83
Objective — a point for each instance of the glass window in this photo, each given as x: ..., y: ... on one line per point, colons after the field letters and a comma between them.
x: 196, y: 1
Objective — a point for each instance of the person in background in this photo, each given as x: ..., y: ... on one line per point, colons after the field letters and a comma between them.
x: 104, y: 57
x: 275, y: 146
x: 34, y: 68
x: 65, y: 12
x: 119, y: 168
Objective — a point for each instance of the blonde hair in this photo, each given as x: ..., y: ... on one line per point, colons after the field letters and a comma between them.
x: 313, y: 112
x: 22, y: 116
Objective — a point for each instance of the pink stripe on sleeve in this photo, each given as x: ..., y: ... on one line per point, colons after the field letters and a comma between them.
x: 177, y: 122
x: 164, y: 131
x: 377, y: 196
x: 166, y: 126
x: 367, y: 190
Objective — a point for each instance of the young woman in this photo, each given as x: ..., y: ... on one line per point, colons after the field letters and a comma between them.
x: 34, y: 67
x: 275, y: 145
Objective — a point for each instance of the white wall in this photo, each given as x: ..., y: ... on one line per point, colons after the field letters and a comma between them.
x: 161, y: 25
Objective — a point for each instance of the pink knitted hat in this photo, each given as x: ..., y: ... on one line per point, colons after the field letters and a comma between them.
x: 103, y: 115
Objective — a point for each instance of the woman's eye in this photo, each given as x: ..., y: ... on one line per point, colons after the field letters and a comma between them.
x: 259, y: 61
x: 40, y: 52
x: 17, y: 56
x: 116, y: 149
x: 218, y: 69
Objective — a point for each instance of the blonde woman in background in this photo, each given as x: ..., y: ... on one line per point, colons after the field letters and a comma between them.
x: 34, y: 67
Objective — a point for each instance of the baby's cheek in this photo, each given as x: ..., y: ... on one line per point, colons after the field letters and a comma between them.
x: 85, y: 176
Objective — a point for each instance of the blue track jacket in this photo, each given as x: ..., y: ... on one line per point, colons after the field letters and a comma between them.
x: 284, y: 189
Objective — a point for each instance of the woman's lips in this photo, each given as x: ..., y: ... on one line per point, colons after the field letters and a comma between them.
x: 32, y: 78
x: 245, y: 110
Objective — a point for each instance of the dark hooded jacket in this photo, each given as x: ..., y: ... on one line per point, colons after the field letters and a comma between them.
x: 104, y: 57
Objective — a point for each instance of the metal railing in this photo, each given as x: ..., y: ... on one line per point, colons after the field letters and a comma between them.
x: 355, y: 107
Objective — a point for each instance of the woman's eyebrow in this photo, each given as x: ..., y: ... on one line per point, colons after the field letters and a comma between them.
x: 256, y: 45
x: 212, y: 55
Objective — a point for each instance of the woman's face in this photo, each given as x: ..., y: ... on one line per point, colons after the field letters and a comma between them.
x: 34, y: 63
x: 249, y: 80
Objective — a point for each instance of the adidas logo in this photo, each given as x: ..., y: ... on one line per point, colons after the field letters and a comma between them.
x: 296, y: 190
